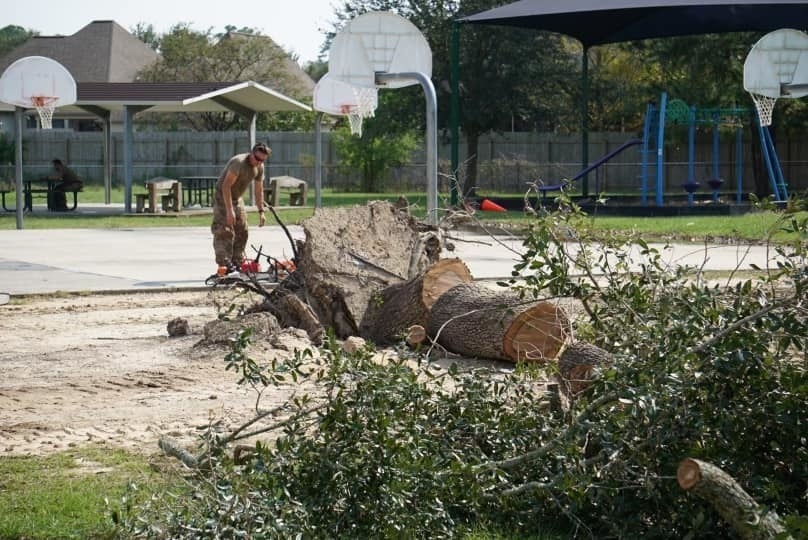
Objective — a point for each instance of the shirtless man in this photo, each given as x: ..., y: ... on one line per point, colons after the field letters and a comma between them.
x: 229, y: 225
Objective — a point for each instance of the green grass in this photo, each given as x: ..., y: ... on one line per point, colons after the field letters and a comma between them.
x: 95, y: 194
x: 63, y: 495
x: 752, y: 226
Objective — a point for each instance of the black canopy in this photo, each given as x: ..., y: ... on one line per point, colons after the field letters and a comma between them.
x: 595, y: 22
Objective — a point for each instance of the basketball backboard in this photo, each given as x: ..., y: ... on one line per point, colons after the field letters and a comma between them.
x: 379, y: 42
x: 38, y: 82
x: 336, y: 97
x: 777, y: 60
x: 37, y: 77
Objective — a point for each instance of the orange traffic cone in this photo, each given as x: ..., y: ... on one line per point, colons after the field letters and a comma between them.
x: 489, y: 206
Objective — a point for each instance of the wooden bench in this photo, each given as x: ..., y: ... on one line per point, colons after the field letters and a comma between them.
x: 169, y: 191
x: 297, y: 189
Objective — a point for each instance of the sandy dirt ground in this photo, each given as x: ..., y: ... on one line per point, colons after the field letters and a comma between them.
x: 102, y: 368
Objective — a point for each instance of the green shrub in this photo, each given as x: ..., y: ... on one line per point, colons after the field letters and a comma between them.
x: 410, y: 448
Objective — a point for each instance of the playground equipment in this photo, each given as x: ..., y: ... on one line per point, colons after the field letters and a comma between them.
x: 776, y: 67
x: 677, y: 111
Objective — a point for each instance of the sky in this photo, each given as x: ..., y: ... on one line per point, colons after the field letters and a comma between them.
x: 296, y: 25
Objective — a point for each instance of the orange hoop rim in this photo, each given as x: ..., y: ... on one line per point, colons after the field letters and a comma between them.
x: 43, y: 101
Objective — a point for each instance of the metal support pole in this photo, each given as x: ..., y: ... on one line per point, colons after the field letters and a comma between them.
x: 585, y: 120
x: 251, y: 194
x: 318, y: 160
x: 739, y: 163
x: 691, y: 145
x: 18, y: 114
x: 107, y: 158
x: 128, y: 137
x: 660, y: 157
x: 454, y: 76
x: 431, y: 137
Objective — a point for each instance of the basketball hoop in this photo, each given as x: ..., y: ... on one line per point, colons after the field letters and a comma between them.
x: 364, y: 107
x: 44, y: 106
x: 764, y: 106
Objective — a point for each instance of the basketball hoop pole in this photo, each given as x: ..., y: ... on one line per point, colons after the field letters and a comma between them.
x: 431, y: 136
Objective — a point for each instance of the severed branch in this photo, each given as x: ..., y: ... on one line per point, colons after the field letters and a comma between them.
x: 728, y: 498
x: 285, y: 230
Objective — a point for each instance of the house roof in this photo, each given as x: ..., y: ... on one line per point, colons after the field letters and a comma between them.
x: 102, y: 51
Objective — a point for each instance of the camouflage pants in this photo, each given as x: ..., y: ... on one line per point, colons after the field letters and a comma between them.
x: 229, y: 244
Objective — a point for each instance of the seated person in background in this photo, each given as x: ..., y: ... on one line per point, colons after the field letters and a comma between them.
x: 69, y: 182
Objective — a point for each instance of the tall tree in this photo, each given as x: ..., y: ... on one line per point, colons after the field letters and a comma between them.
x: 188, y: 55
x: 12, y: 36
x: 502, y: 71
x: 147, y: 34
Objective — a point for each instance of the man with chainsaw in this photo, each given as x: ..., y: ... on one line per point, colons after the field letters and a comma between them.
x: 229, y: 225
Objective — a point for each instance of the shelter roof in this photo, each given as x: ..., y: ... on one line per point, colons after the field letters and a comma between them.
x: 595, y: 22
x: 239, y: 97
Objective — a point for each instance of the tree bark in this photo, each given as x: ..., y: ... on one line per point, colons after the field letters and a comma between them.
x: 473, y: 320
x: 393, y: 310
x: 352, y: 253
x: 729, y: 499
x: 577, y: 364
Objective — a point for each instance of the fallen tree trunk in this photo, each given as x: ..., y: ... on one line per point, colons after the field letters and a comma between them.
x: 729, y: 499
x: 473, y: 320
x: 393, y: 310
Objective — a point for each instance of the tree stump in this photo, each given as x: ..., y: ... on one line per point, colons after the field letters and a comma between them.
x: 398, y: 307
x: 473, y: 320
x: 729, y: 499
x: 352, y: 253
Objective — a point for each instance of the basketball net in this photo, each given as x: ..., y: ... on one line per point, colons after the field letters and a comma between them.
x: 44, y: 106
x: 364, y: 108
x: 764, y: 106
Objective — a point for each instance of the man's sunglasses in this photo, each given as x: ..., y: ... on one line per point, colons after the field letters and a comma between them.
x: 258, y: 159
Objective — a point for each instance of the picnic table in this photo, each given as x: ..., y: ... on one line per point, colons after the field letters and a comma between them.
x: 198, y: 190
x: 297, y: 189
x: 167, y: 189
x: 44, y: 187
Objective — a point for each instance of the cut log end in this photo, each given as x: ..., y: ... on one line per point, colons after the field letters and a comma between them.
x: 688, y: 474
x: 536, y: 334
x: 416, y: 334
x: 442, y: 276
x: 578, y: 364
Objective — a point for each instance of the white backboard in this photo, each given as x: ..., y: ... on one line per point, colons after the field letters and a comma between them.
x: 779, y: 57
x: 37, y: 76
x: 336, y: 97
x: 378, y: 42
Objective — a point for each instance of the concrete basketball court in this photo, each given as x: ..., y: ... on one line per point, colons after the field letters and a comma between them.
x: 39, y: 261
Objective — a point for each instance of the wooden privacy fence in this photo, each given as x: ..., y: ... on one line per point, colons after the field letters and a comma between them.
x: 507, y: 162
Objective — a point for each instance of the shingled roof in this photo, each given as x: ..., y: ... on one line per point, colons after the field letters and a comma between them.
x: 102, y: 51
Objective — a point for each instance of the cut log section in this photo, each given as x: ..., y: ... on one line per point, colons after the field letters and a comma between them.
x: 398, y: 307
x: 473, y: 320
x: 729, y: 499
x: 578, y: 363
